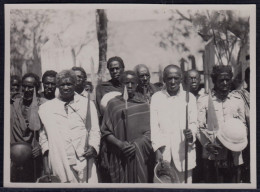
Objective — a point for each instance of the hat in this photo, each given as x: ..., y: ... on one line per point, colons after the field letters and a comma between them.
x: 165, y: 173
x: 233, y: 135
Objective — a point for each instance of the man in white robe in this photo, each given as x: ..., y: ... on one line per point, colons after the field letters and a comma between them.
x: 64, y: 135
x: 168, y: 124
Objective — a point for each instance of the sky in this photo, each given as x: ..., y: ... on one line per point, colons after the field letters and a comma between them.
x: 137, y: 14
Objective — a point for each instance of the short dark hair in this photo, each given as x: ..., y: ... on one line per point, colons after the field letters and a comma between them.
x: 119, y: 59
x: 80, y: 69
x: 15, y: 77
x: 37, y: 84
x: 49, y: 73
x: 171, y: 66
x: 218, y: 69
x: 129, y: 72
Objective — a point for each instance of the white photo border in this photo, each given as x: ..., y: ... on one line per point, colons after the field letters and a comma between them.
x: 249, y: 7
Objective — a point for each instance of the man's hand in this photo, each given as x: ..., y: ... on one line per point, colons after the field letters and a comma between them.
x: 36, y: 151
x: 158, y: 156
x: 213, y: 148
x: 90, y: 152
x: 188, y: 135
x: 127, y: 149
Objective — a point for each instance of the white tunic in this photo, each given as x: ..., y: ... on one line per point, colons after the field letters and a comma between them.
x: 168, y: 120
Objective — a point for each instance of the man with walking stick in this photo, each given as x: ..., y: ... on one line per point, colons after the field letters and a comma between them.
x: 70, y: 133
x: 171, y: 127
x: 126, y: 132
x: 222, y: 129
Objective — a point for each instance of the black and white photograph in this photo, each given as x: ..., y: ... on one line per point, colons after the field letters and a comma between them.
x: 130, y: 95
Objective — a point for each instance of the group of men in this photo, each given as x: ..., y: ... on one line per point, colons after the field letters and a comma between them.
x: 131, y: 126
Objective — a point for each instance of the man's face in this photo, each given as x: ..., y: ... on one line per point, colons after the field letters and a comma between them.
x: 15, y: 87
x: 49, y: 85
x: 28, y: 87
x: 193, y: 80
x: 66, y: 88
x: 115, y: 70
x: 143, y: 76
x: 172, y: 80
x: 131, y: 83
x: 88, y: 88
x: 80, y: 78
x: 247, y: 80
x: 223, y: 82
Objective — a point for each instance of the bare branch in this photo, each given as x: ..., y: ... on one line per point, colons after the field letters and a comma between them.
x: 83, y: 45
x: 183, y: 16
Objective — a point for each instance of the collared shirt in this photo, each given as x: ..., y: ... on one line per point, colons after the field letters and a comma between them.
x: 231, y: 107
x: 168, y: 120
x: 69, y: 122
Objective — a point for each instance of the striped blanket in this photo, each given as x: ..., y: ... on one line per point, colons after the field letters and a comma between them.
x: 138, y: 133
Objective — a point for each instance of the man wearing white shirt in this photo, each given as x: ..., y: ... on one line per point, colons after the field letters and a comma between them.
x: 168, y: 123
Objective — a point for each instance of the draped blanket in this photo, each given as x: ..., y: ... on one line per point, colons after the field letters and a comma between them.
x: 104, y: 88
x: 137, y: 132
x: 21, y: 127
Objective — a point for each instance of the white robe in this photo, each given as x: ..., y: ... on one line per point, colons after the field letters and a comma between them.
x: 64, y: 136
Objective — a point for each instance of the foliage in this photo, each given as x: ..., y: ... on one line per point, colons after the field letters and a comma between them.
x: 227, y: 28
x: 26, y: 37
x: 30, y: 29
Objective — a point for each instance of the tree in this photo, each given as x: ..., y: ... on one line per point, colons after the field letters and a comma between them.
x: 227, y: 28
x: 32, y: 28
x: 26, y: 38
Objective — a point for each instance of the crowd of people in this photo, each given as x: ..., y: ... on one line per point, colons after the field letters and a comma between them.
x: 133, y: 131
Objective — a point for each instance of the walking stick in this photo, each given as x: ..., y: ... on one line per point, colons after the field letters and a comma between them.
x: 34, y: 123
x: 34, y: 160
x: 212, y: 123
x: 125, y: 97
x: 186, y: 141
x: 88, y: 127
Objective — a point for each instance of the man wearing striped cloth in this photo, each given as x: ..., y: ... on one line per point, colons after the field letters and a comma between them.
x: 126, y: 132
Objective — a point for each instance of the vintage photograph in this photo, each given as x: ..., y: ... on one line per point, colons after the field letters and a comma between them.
x: 117, y: 95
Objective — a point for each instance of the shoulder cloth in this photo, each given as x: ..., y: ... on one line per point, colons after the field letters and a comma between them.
x: 235, y: 94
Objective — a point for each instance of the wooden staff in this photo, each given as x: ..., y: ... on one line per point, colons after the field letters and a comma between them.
x: 35, y: 127
x: 125, y: 97
x: 186, y: 141
x: 212, y: 121
x: 88, y: 128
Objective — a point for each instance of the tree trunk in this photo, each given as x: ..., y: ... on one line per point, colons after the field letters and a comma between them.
x: 101, y: 24
x: 36, y: 67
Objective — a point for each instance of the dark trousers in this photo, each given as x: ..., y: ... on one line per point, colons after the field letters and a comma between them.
x: 245, y: 171
x: 212, y: 174
x: 197, y: 176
